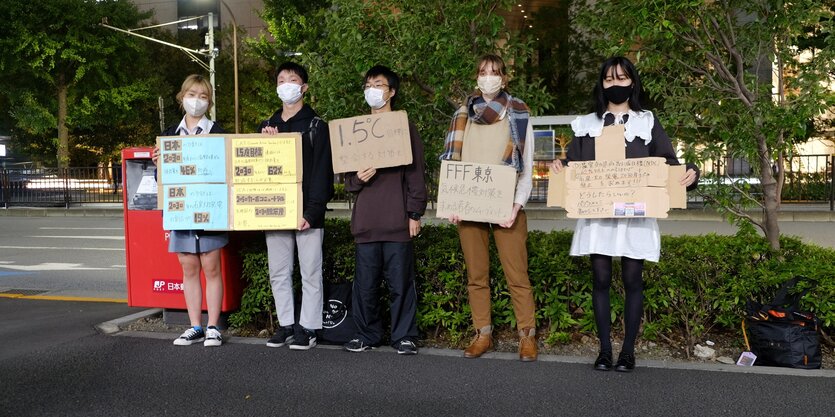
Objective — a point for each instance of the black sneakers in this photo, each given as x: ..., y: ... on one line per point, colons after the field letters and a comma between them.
x: 356, y: 345
x: 282, y: 336
x: 406, y: 347
x: 190, y: 336
x: 304, y: 340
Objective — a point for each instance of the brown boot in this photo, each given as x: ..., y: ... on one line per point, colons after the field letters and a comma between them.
x: 527, y: 344
x: 482, y: 342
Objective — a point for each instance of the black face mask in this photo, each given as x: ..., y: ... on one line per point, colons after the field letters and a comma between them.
x: 617, y: 94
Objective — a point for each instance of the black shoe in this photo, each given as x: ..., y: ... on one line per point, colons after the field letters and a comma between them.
x: 282, y: 336
x: 356, y: 345
x: 406, y: 347
x: 304, y: 340
x: 604, y: 361
x: 626, y: 362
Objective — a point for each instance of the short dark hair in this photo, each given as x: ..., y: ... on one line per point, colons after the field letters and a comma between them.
x: 294, y: 68
x: 600, y: 102
x: 391, y: 78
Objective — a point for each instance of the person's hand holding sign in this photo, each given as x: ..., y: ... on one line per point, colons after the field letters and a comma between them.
x: 366, y: 174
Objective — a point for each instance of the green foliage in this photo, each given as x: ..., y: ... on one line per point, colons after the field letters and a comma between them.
x: 712, y: 65
x: 51, y: 48
x: 700, y: 283
x: 431, y: 44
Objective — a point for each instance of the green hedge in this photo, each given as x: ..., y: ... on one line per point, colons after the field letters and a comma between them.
x: 700, y: 283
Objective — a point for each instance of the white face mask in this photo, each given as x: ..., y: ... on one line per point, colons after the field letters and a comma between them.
x: 490, y: 84
x: 194, y: 106
x: 289, y: 93
x: 374, y: 98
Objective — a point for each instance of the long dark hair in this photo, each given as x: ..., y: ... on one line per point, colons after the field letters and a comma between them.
x: 600, y: 102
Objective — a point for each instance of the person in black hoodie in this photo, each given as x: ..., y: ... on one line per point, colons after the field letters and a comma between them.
x: 317, y: 190
x: 198, y: 249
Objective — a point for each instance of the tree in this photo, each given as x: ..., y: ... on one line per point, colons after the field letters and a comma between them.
x: 734, y: 78
x: 431, y: 44
x: 63, y: 71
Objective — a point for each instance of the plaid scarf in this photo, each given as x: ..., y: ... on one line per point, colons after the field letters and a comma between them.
x: 479, y: 111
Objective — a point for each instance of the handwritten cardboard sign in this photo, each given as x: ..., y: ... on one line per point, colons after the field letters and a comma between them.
x: 266, y: 206
x: 476, y: 192
x: 191, y: 159
x: 636, y: 187
x: 629, y: 173
x: 195, y: 207
x: 260, y: 159
x: 371, y: 141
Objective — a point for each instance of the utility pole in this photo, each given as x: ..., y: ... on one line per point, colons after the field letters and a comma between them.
x: 210, y: 43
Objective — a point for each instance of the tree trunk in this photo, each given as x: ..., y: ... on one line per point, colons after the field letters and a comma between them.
x: 771, y: 200
x: 63, y: 153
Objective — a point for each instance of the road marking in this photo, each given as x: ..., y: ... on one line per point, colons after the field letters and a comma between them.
x: 83, y: 237
x: 64, y: 298
x: 52, y: 266
x: 59, y: 248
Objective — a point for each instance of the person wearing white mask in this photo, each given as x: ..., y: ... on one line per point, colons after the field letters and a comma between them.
x: 198, y: 249
x: 317, y: 189
x: 388, y: 206
x: 493, y: 127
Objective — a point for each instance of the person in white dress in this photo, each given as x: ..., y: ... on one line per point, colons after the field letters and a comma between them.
x: 634, y: 240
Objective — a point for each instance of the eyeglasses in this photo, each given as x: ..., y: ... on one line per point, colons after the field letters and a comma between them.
x: 380, y: 86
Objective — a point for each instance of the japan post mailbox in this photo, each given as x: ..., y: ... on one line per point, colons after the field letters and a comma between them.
x: 155, y: 278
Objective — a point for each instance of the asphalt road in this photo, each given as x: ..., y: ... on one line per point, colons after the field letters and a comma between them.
x: 63, y: 256
x: 54, y: 364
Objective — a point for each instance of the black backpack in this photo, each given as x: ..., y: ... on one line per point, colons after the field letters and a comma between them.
x: 780, y: 333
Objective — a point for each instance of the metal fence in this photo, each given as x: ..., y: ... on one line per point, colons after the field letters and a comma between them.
x: 58, y: 187
x: 809, y: 178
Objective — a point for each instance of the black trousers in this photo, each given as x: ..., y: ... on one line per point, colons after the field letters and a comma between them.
x: 394, y: 261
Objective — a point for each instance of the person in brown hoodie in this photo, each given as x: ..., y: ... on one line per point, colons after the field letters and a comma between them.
x: 389, y: 203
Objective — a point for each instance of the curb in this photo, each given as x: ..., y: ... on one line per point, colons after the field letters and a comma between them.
x: 111, y: 328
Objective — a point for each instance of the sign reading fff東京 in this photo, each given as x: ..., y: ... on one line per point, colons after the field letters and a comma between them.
x: 476, y: 192
x: 371, y: 141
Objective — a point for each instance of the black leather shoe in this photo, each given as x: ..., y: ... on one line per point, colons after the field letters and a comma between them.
x: 604, y: 361
x: 626, y: 362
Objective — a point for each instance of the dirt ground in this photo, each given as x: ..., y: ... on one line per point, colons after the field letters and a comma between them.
x: 728, y: 346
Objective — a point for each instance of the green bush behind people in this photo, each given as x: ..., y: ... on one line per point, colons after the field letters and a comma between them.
x: 701, y: 283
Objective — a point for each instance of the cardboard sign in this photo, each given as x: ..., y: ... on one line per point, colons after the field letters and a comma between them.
x: 476, y: 192
x: 677, y: 192
x: 191, y: 159
x: 610, y: 145
x: 371, y: 141
x: 629, y: 173
x: 635, y: 187
x: 261, y: 159
x: 617, y: 202
x: 195, y: 207
x: 266, y: 206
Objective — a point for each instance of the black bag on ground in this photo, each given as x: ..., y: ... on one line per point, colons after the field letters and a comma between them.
x: 338, y: 325
x: 782, y: 335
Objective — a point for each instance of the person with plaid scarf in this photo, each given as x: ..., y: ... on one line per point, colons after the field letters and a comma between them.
x: 493, y: 127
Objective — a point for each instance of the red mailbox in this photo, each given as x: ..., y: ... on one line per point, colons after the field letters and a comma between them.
x: 155, y: 278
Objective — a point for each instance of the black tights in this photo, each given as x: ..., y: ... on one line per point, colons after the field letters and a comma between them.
x: 633, y: 283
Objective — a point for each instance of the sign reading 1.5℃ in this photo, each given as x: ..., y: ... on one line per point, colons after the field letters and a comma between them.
x: 370, y: 141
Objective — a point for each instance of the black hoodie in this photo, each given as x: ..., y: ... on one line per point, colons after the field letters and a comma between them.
x: 317, y: 168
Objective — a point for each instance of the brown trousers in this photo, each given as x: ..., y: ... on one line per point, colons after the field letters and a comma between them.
x: 513, y: 254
